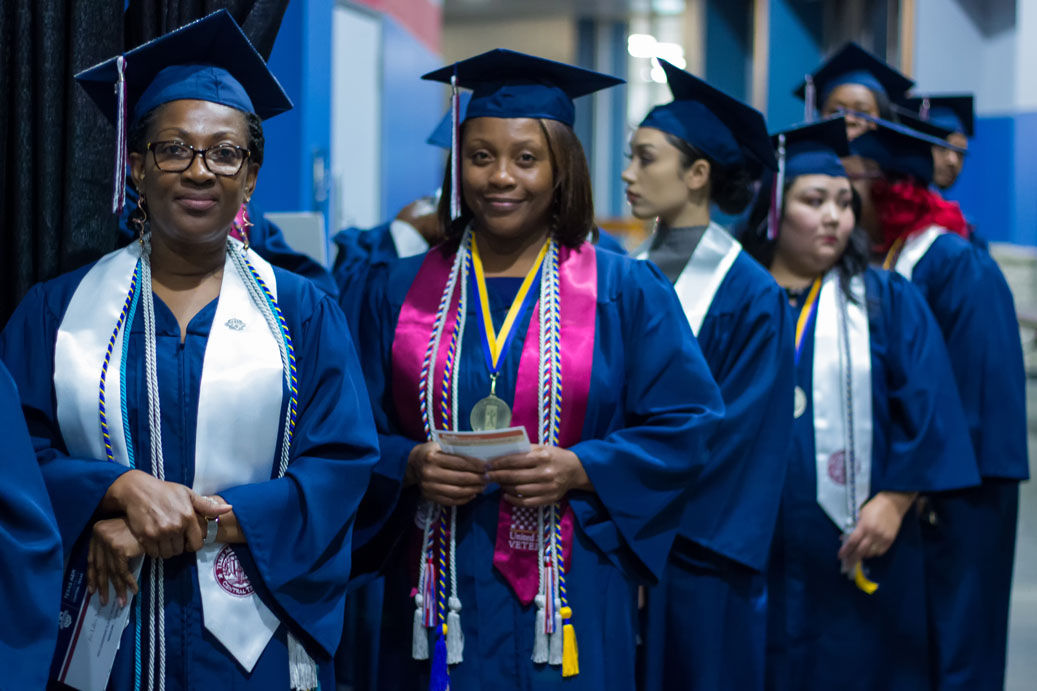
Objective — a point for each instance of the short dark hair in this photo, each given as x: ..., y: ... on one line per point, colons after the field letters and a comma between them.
x: 752, y: 233
x: 730, y: 187
x: 137, y: 137
x: 572, y: 209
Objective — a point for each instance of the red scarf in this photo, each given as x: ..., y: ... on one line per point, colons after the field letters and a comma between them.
x: 905, y: 206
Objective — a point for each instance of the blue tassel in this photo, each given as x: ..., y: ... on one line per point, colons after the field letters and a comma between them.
x: 440, y: 677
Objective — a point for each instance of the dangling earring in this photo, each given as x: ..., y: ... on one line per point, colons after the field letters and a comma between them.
x: 242, y: 222
x: 139, y: 218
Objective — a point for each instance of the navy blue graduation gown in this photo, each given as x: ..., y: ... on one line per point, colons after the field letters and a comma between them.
x: 360, y: 252
x: 30, y: 571
x: 298, y: 527
x: 716, y: 568
x: 973, y: 532
x: 651, y: 408
x: 823, y: 632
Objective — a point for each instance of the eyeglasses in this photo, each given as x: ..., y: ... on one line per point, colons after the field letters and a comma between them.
x: 219, y: 159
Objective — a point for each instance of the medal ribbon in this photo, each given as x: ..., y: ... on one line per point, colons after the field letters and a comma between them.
x: 495, y: 344
x: 806, y: 316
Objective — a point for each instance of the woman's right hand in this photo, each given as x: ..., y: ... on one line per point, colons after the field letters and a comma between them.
x: 445, y: 479
x: 160, y: 514
x: 112, y: 548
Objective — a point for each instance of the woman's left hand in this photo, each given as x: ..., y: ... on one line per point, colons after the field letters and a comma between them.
x: 877, y: 527
x: 539, y: 477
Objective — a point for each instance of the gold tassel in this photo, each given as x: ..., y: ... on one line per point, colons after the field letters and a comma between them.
x: 861, y: 581
x: 570, y: 657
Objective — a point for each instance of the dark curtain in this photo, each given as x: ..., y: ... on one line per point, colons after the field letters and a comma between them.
x: 57, y: 148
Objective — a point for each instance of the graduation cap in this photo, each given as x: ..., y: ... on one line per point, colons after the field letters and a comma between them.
x: 509, y: 84
x: 725, y: 129
x: 909, y: 117
x: 851, y: 65
x: 809, y: 149
x: 209, y: 59
x: 441, y: 135
x: 899, y: 149
x: 951, y: 112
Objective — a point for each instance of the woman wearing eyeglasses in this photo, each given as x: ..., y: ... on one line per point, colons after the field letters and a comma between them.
x: 877, y: 420
x: 193, y: 405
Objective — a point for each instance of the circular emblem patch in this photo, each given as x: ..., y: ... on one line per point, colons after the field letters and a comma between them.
x: 837, y: 467
x: 229, y: 574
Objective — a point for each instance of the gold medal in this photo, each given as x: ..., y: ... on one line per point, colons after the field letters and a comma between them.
x: 490, y: 413
x: 799, y: 405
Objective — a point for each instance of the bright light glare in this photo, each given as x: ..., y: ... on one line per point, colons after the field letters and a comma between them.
x: 646, y: 46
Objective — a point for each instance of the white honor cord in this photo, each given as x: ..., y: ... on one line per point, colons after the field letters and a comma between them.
x: 850, y: 457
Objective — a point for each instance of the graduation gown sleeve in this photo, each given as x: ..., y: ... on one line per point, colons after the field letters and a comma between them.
x: 643, y: 465
x: 75, y: 485
x: 973, y: 306
x: 298, y: 527
x: 30, y: 571
x: 928, y: 447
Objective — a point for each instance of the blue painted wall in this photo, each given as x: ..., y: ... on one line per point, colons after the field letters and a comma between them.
x: 1025, y: 173
x: 300, y: 60
x: 795, y: 50
x: 729, y: 46
x: 985, y: 199
x: 411, y: 109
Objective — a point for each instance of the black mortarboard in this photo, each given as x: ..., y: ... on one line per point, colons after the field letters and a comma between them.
x: 508, y: 84
x: 725, y: 129
x: 853, y: 65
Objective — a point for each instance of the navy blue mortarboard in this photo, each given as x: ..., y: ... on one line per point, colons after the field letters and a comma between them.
x: 950, y: 112
x: 441, y: 136
x: 899, y: 149
x: 852, y: 65
x: 725, y: 129
x: 810, y: 149
x: 815, y: 148
x: 508, y: 84
x: 209, y: 59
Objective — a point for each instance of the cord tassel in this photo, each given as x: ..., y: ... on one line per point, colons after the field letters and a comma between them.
x: 556, y: 647
x: 865, y: 584
x: 302, y: 670
x: 540, y: 646
x: 419, y: 641
x: 570, y: 656
x: 454, y: 634
x: 777, y: 193
x: 440, y: 677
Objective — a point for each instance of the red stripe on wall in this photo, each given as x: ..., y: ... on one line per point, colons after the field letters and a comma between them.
x: 422, y: 18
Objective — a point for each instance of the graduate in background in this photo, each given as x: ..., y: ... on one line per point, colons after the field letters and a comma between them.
x: 30, y: 572
x: 706, y: 148
x: 969, y: 534
x: 953, y: 115
x: 852, y: 81
x: 182, y: 366
x: 534, y: 551
x: 877, y: 420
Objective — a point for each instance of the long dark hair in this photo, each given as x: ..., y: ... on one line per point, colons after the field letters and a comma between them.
x: 572, y: 209
x: 730, y: 187
x: 752, y: 233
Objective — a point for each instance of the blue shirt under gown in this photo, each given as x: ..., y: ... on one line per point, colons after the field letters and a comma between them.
x: 823, y: 632
x: 30, y: 570
x: 721, y: 551
x: 298, y: 527
x: 651, y: 408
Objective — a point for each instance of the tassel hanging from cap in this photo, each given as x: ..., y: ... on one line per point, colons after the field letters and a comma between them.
x: 777, y: 193
x: 810, y: 100
x: 121, y: 145
x: 923, y: 110
x: 455, y: 149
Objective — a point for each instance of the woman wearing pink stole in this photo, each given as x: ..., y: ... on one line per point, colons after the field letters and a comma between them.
x: 516, y: 321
